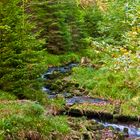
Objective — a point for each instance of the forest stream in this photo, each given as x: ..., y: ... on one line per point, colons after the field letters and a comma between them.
x: 130, y: 130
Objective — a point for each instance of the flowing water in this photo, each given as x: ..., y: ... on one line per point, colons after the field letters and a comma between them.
x: 129, y: 131
x: 84, y: 99
x: 69, y: 101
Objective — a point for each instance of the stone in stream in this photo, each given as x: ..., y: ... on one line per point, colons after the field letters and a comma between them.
x: 95, y: 127
x: 55, y: 86
x: 49, y: 73
x: 52, y: 96
x: 128, y: 131
x: 76, y: 85
x: 76, y: 92
x: 58, y: 82
x: 71, y: 65
x: 67, y: 95
x: 45, y: 89
x: 125, y: 131
x: 95, y: 131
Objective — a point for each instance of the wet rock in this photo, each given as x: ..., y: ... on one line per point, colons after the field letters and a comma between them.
x: 52, y: 96
x: 95, y: 127
x: 76, y: 92
x: 76, y: 85
x: 60, y: 96
x: 69, y: 84
x: 71, y: 65
x: 100, y: 126
x: 110, y: 128
x: 85, y: 136
x: 125, y: 131
x: 118, y: 129
x: 58, y: 82
x: 115, y: 116
x: 49, y: 76
x: 121, y: 136
x: 54, y: 86
x: 45, y: 89
x: 67, y: 95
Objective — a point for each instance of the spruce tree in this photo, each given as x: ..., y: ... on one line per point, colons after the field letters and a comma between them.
x: 20, y: 52
x: 63, y: 23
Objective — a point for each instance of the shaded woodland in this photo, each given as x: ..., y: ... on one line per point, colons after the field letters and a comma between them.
x: 63, y: 57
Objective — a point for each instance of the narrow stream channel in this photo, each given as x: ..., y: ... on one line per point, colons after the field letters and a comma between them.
x: 129, y: 131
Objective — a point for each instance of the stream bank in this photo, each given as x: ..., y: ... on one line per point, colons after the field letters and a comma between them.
x: 116, y: 126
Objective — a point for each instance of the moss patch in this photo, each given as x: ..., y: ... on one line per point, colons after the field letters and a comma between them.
x: 22, y: 119
x: 107, y: 108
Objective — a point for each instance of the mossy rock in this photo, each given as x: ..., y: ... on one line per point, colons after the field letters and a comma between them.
x: 55, y: 86
x: 95, y: 127
x: 58, y: 82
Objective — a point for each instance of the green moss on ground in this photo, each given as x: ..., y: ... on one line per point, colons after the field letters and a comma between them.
x: 130, y: 108
x: 6, y: 96
x: 21, y: 119
x: 106, y: 108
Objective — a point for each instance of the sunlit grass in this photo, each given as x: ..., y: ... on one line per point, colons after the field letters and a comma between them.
x: 18, y: 118
x: 111, y: 74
